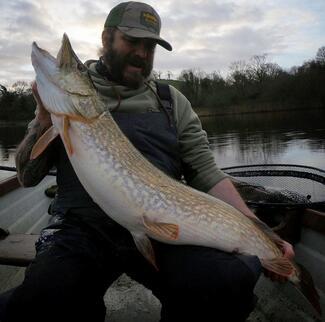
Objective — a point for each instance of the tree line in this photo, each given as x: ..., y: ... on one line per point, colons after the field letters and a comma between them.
x: 249, y: 83
x: 258, y: 82
x: 17, y: 103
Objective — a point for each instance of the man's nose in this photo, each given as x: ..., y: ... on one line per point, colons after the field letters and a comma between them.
x: 141, y: 49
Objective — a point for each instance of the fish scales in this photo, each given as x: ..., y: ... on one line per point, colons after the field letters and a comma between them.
x: 167, y: 198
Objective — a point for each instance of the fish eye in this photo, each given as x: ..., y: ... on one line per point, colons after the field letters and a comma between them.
x: 81, y: 67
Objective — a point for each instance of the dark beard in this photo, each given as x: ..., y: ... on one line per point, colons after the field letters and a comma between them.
x: 116, y: 64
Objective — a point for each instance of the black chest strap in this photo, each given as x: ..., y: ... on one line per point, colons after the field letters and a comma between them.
x: 164, y: 94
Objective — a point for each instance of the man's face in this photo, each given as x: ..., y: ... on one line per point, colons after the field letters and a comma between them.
x: 129, y: 60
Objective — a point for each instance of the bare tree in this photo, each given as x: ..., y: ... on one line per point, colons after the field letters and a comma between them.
x: 320, y: 56
x: 239, y: 75
x: 260, y: 69
x: 3, y: 90
x: 169, y: 74
x: 21, y: 88
x: 157, y: 74
x: 191, y: 84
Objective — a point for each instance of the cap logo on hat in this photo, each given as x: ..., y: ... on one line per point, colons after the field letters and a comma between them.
x: 147, y: 19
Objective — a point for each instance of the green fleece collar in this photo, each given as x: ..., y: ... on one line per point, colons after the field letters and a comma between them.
x: 138, y: 100
x: 109, y: 88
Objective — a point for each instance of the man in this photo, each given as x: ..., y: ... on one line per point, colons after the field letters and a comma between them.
x: 83, y: 251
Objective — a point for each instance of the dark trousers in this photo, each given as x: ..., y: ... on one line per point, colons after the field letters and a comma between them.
x: 79, y: 257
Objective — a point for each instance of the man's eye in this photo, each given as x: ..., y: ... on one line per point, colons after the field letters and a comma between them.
x: 152, y: 46
x: 131, y: 40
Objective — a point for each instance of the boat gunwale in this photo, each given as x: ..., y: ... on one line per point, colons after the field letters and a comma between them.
x: 311, y: 218
x: 9, y: 184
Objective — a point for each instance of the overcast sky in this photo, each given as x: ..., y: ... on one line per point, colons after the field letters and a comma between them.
x: 205, y: 34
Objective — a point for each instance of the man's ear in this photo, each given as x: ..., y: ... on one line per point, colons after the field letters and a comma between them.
x: 105, y: 37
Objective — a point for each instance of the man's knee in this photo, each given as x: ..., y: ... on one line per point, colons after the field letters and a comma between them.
x: 206, y: 280
x: 246, y: 273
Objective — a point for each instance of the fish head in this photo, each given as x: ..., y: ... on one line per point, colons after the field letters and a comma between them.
x: 74, y: 78
x: 63, y: 82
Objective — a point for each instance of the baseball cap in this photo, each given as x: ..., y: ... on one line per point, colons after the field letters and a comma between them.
x: 137, y: 19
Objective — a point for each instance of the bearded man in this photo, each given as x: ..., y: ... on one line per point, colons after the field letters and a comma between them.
x: 82, y: 252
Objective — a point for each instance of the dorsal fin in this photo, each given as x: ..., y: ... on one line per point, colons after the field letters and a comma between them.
x: 66, y: 57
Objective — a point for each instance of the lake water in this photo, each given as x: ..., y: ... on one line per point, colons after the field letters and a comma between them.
x: 294, y: 137
x: 264, y: 138
x: 10, y: 136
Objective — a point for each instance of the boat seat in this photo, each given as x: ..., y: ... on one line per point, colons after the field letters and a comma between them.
x: 17, y: 249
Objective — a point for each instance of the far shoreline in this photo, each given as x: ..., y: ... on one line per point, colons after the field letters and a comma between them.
x: 219, y: 111
x: 245, y: 109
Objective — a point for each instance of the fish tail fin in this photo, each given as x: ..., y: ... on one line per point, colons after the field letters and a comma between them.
x: 305, y: 284
x: 297, y: 275
x: 294, y: 272
x: 280, y: 265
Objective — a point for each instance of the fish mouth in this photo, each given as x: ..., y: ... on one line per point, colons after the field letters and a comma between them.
x: 43, y: 62
x: 39, y: 55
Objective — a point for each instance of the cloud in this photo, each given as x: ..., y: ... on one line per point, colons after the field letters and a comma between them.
x: 20, y: 19
x: 205, y: 34
x: 213, y: 35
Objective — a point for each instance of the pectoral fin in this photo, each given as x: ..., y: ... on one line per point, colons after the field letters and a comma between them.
x: 66, y: 137
x: 43, y: 142
x: 161, y: 229
x: 144, y: 246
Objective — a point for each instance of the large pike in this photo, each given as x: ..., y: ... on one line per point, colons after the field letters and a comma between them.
x: 130, y: 189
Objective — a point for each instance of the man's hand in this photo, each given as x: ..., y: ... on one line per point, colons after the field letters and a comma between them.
x: 31, y: 172
x: 226, y: 191
x: 42, y: 115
